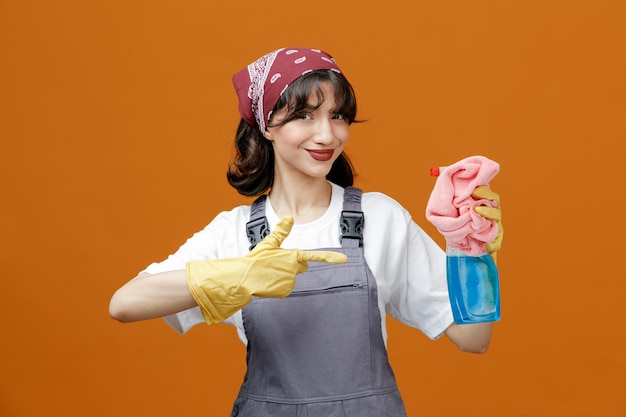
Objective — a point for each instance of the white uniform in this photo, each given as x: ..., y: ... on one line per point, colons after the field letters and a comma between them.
x: 408, y: 265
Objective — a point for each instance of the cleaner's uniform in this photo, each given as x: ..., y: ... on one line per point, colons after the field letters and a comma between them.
x: 320, y: 351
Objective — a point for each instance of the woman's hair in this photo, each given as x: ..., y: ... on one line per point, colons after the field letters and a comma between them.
x: 251, y: 171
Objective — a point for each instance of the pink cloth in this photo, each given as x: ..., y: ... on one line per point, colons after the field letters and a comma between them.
x: 450, y: 206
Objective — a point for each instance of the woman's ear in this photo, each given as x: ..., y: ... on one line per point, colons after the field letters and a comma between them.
x: 268, y: 135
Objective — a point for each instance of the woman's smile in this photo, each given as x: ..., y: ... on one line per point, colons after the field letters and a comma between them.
x: 321, y: 154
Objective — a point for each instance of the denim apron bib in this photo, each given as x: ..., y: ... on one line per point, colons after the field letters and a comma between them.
x: 319, y: 351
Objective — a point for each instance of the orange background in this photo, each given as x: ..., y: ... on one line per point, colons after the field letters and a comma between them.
x: 116, y: 121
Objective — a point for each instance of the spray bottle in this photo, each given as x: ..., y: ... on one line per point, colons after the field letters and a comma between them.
x: 473, y: 284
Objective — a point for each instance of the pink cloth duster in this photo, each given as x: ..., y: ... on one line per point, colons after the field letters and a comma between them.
x: 450, y: 206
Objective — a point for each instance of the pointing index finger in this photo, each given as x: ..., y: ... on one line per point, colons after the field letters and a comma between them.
x: 322, y: 256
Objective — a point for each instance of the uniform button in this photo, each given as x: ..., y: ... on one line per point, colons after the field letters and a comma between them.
x: 235, y: 412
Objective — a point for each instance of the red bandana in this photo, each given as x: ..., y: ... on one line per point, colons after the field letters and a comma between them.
x: 260, y: 84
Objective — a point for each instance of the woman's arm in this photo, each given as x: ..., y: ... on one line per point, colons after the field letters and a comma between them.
x: 149, y: 296
x: 472, y: 338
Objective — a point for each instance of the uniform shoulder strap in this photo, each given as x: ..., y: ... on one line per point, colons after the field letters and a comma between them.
x: 352, y: 219
x: 257, y: 227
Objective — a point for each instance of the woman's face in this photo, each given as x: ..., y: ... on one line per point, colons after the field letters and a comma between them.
x: 308, y: 145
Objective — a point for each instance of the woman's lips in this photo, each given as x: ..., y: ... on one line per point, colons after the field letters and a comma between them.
x: 321, y: 154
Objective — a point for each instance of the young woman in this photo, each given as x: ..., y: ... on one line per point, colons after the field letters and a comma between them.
x: 309, y: 299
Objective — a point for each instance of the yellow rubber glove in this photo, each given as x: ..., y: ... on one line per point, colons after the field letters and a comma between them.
x: 222, y: 287
x: 491, y: 213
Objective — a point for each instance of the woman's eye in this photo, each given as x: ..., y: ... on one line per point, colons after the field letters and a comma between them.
x: 338, y: 116
x: 304, y: 116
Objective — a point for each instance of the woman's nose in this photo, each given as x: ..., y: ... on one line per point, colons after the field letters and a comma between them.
x: 325, y: 133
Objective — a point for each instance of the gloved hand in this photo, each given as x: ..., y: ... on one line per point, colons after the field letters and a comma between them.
x: 490, y: 213
x: 221, y: 287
